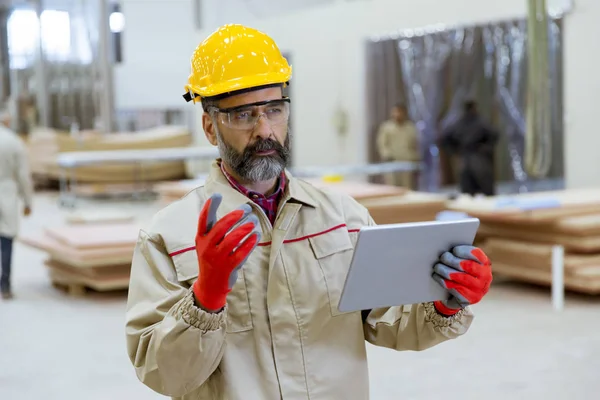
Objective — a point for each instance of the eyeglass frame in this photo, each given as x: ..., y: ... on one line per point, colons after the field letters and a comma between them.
x: 243, y: 106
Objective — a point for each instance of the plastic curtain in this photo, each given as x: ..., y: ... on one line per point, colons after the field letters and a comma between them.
x: 62, y: 71
x: 538, y: 140
x: 434, y: 70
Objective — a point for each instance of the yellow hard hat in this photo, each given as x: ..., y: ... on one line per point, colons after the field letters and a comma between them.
x: 232, y: 58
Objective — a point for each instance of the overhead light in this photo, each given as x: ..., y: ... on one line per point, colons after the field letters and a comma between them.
x: 116, y: 21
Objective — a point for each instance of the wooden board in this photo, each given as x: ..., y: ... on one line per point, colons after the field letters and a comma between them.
x: 103, y: 273
x: 44, y: 145
x: 582, y: 225
x: 583, y: 244
x: 571, y: 203
x: 79, y: 258
x: 580, y: 284
x: 111, y: 189
x: 359, y: 190
x: 177, y: 189
x: 95, y: 236
x: 76, y: 284
x: 539, y: 256
x: 411, y: 207
x: 99, y: 216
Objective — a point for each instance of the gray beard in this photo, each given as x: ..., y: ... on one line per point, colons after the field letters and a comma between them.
x: 252, y: 168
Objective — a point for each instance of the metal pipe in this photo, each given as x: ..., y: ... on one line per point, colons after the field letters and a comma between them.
x: 107, y: 110
x: 41, y: 73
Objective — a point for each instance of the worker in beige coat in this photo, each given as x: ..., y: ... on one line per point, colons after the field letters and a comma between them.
x: 235, y: 287
x: 15, y: 185
x: 398, y: 140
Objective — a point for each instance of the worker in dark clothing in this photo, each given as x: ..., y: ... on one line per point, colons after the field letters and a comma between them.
x: 473, y: 141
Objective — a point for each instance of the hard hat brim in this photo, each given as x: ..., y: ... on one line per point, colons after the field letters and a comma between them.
x: 246, y: 82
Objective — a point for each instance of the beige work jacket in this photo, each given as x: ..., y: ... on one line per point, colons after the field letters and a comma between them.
x: 398, y: 142
x: 281, y: 335
x: 15, y: 181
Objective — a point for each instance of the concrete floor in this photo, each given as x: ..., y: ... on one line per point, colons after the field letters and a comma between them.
x: 56, y: 347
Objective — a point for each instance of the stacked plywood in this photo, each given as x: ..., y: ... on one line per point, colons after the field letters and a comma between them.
x: 44, y: 145
x: 409, y: 207
x: 520, y: 231
x: 169, y: 192
x: 95, y: 256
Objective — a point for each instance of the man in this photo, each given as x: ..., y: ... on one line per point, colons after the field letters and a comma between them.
x: 473, y: 142
x: 397, y: 140
x: 15, y: 183
x: 234, y: 288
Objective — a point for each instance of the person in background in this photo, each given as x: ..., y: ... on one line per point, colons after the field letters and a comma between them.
x: 234, y: 288
x: 398, y: 140
x: 473, y: 141
x: 15, y: 185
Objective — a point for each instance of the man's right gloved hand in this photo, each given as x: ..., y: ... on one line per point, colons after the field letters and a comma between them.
x: 222, y: 251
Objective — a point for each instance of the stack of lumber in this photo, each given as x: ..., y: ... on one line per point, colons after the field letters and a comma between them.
x: 519, y: 232
x: 44, y: 145
x: 88, y: 255
x: 409, y: 207
x: 359, y: 190
x: 168, y: 192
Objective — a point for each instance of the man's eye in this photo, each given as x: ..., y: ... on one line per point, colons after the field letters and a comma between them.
x: 241, y: 115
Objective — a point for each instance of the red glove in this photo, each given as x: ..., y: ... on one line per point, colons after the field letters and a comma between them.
x: 466, y: 273
x: 222, y: 248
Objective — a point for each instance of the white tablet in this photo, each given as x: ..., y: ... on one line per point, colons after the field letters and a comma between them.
x: 392, y: 264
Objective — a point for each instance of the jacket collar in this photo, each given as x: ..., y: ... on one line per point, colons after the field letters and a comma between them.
x: 232, y: 198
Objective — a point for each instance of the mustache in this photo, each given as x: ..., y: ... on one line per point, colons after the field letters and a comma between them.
x: 264, y: 145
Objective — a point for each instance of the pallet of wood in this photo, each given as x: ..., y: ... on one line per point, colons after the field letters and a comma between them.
x: 519, y: 232
x: 45, y: 144
x: 532, y: 262
x: 171, y: 191
x: 408, y: 207
x: 87, y: 256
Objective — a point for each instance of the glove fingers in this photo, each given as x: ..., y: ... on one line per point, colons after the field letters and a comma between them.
x: 244, y: 251
x: 235, y: 236
x: 233, y: 276
x: 445, y: 271
x: 240, y: 256
x: 451, y: 260
x: 440, y: 280
x: 227, y: 222
x: 474, y: 268
x: 208, y: 214
x: 471, y: 253
x: 458, y: 277
x: 452, y: 289
x: 212, y: 211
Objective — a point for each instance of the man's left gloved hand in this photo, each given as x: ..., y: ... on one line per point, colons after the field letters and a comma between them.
x: 466, y: 272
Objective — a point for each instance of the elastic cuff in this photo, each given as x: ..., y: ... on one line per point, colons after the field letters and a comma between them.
x: 445, y: 311
x: 199, y: 318
x: 438, y: 320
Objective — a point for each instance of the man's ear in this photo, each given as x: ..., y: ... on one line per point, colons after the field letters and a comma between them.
x: 209, y: 128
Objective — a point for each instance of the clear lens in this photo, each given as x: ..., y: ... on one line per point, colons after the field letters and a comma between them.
x: 276, y: 112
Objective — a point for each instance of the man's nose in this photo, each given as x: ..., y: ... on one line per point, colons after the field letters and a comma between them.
x: 262, y: 128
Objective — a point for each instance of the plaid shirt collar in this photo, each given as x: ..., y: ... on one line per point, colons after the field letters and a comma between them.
x: 269, y: 203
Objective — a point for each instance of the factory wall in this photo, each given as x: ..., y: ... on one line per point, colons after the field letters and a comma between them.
x: 326, y: 45
x: 158, y: 39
